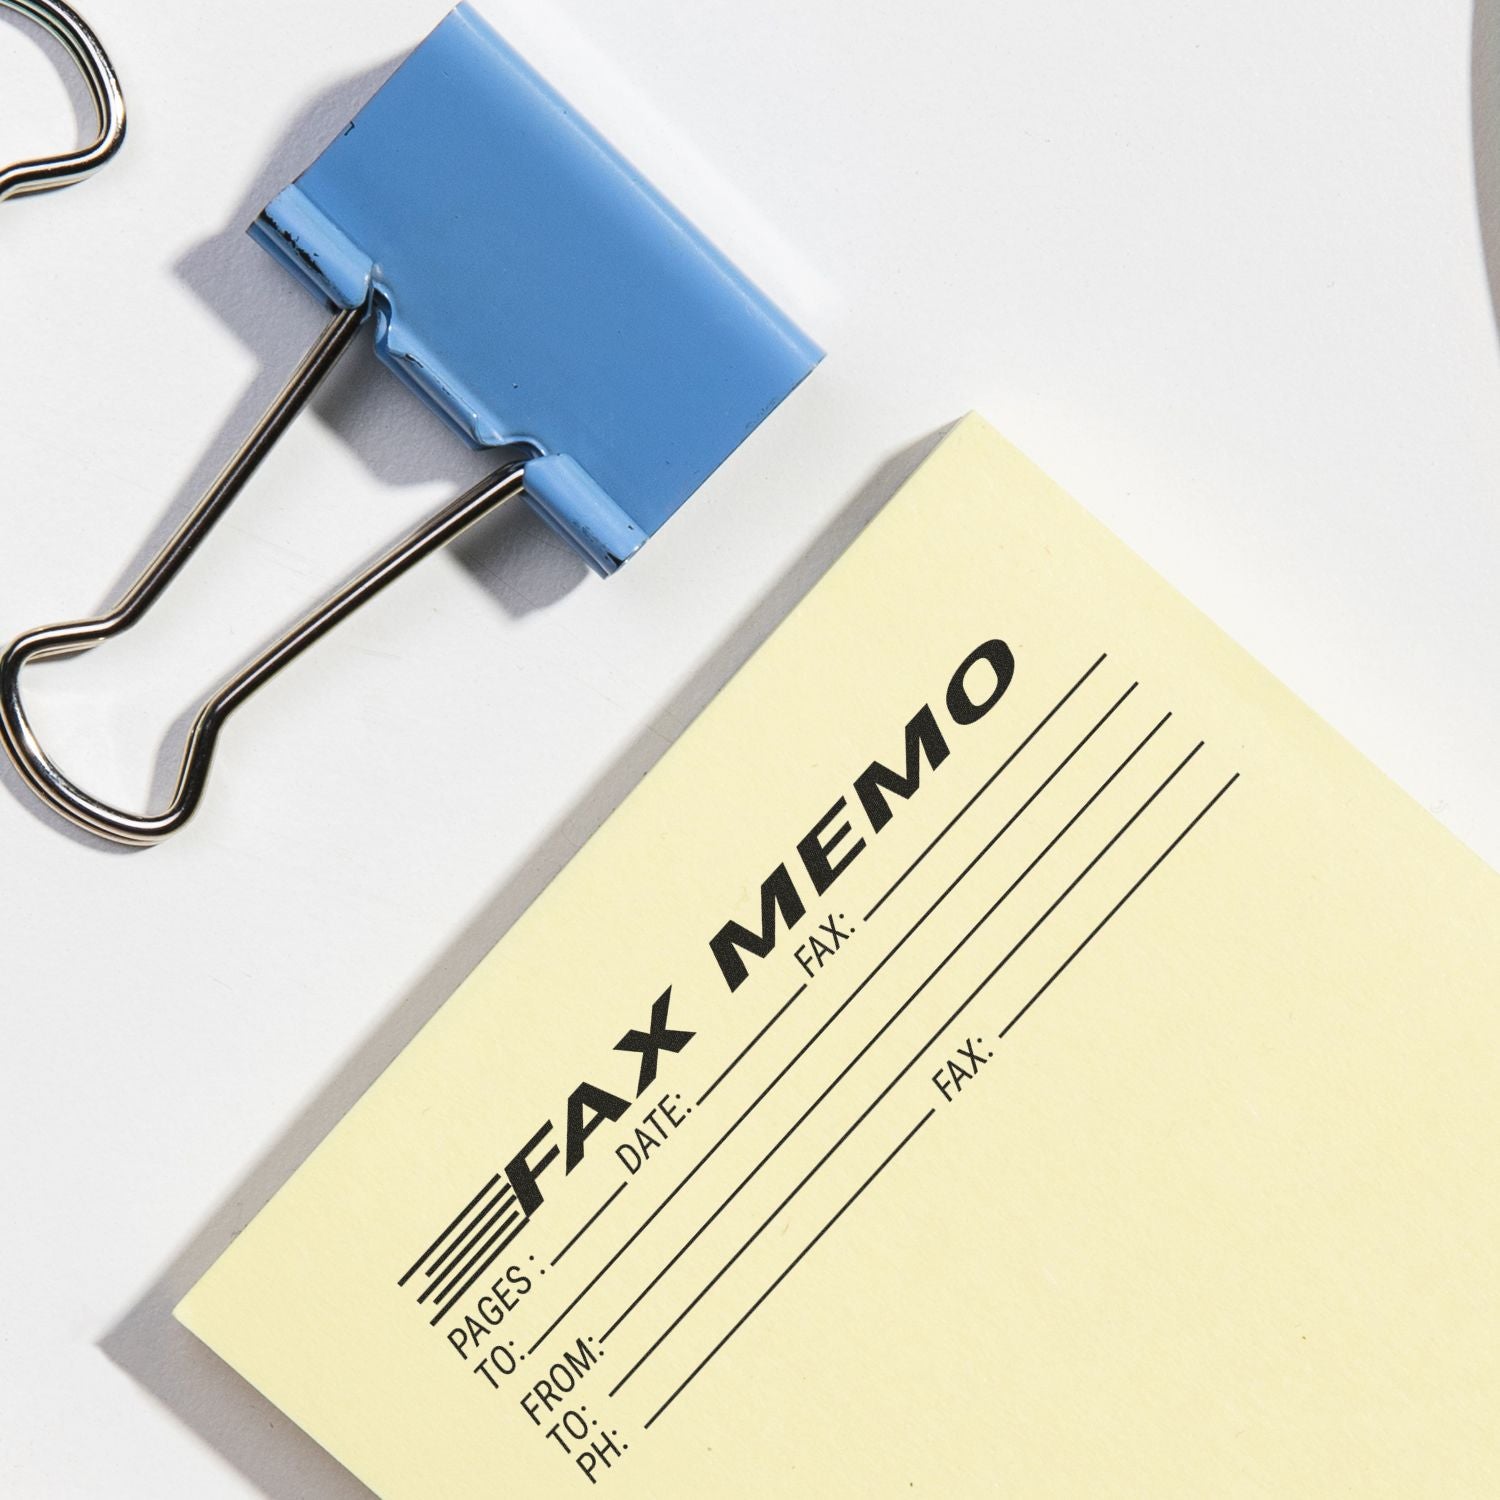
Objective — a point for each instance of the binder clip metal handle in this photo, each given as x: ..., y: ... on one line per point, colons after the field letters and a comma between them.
x: 42, y: 173
x: 38, y: 770
x: 597, y: 331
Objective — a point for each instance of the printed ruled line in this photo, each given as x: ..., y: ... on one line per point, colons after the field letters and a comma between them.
x: 912, y: 998
x: 484, y: 1221
x: 730, y: 1263
x: 838, y: 1010
x: 467, y: 1210
x: 588, y: 1223
x: 745, y: 1317
x: 1156, y: 864
x: 440, y: 1288
x: 1057, y: 973
x: 797, y: 995
x: 489, y: 1260
x: 994, y: 775
x: 454, y: 1255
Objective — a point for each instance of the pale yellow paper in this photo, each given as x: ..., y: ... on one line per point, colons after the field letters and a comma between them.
x: 1217, y: 1218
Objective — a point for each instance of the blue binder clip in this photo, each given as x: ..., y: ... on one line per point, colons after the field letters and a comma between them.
x: 532, y: 287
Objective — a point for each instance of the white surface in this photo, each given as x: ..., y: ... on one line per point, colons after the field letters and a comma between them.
x: 1219, y: 268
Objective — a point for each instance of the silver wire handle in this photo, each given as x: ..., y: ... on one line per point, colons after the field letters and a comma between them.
x: 20, y: 741
x: 41, y: 173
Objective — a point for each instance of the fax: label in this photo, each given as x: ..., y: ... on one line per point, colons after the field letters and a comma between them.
x: 961, y: 1069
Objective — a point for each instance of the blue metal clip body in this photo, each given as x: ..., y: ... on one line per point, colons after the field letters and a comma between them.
x: 528, y: 284
x: 531, y: 286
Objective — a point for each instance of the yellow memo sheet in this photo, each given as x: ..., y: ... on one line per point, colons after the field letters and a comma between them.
x: 1008, y: 1047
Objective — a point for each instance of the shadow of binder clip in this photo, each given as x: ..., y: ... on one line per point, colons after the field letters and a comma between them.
x: 42, y: 173
x: 524, y: 280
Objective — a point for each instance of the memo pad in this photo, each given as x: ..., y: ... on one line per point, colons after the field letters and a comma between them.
x: 1008, y: 1046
